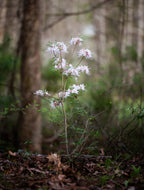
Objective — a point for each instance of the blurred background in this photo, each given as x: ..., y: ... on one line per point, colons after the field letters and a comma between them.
x: 109, y: 117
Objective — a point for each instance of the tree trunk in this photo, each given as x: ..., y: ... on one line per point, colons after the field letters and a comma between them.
x: 30, y: 121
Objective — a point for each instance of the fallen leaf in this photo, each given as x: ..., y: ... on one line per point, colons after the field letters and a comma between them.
x: 54, y: 158
x: 102, y: 152
x: 12, y: 153
x: 61, y: 177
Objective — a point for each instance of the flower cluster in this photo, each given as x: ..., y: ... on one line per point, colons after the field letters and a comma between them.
x: 60, y: 63
x: 42, y: 93
x: 57, y: 48
x: 66, y: 69
x: 72, y: 90
x: 85, y: 53
x: 75, y: 41
x: 55, y: 103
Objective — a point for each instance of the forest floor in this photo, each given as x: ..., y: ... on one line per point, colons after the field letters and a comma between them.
x: 24, y: 171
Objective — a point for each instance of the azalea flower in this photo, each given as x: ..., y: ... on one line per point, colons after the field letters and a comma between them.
x: 75, y: 41
x: 61, y: 94
x: 55, y: 103
x: 83, y: 68
x: 64, y: 94
x: 61, y: 47
x: 78, y: 87
x: 52, y: 49
x: 60, y: 63
x: 85, y: 53
x: 57, y: 48
x: 72, y: 90
x: 58, y: 60
x: 71, y: 71
x: 82, y: 86
x: 75, y: 89
x: 41, y: 93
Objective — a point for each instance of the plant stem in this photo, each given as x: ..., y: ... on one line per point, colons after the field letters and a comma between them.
x: 72, y: 53
x: 65, y: 122
x: 80, y: 61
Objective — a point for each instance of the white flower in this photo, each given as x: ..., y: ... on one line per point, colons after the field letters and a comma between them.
x: 56, y: 48
x: 74, y: 89
x: 75, y: 41
x: 52, y: 49
x: 85, y: 53
x: 64, y: 94
x: 58, y: 60
x: 41, y: 93
x: 67, y: 93
x: 78, y: 87
x: 61, y: 94
x: 46, y: 93
x: 61, y: 47
x: 71, y: 71
x: 84, y: 68
x: 55, y: 103
x: 82, y: 86
x: 60, y: 63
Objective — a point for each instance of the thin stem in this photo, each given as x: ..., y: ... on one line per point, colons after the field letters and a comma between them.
x: 61, y: 71
x: 54, y: 54
x: 65, y: 84
x: 80, y: 61
x: 65, y: 122
x: 72, y: 53
x: 62, y: 82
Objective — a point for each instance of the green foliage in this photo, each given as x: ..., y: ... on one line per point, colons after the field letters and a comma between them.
x: 138, y: 81
x: 108, y: 163
x: 52, y: 115
x: 6, y: 60
x: 131, y: 53
x: 126, y: 182
x: 5, y: 101
x: 130, y: 109
x: 104, y: 179
x: 135, y: 172
x: 51, y: 76
x: 9, y: 107
x: 100, y: 99
x: 114, y: 75
x: 142, y: 61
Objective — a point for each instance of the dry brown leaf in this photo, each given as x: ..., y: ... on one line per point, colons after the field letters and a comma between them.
x: 61, y: 177
x: 65, y: 167
x: 102, y: 152
x: 12, y: 153
x: 55, y: 158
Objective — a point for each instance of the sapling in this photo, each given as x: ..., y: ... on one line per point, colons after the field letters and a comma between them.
x: 67, y: 70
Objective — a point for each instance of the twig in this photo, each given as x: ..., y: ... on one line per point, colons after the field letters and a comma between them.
x: 65, y: 15
x: 65, y: 121
x: 53, y: 138
x: 81, y: 12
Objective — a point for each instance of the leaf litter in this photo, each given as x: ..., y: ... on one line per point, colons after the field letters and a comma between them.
x: 24, y: 171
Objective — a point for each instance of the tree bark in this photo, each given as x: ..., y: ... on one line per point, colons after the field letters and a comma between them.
x: 30, y: 121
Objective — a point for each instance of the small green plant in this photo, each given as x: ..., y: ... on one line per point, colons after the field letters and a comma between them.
x: 104, y: 179
x: 45, y: 188
x: 27, y: 142
x: 135, y: 172
x: 108, y: 163
x: 126, y: 182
